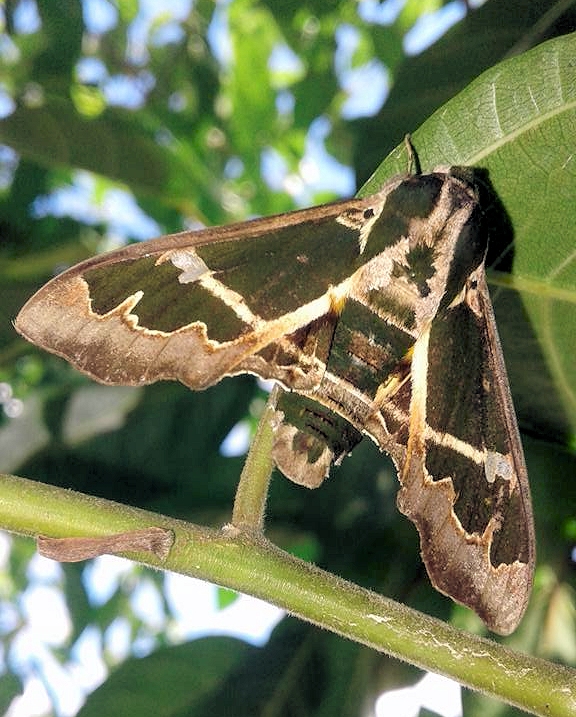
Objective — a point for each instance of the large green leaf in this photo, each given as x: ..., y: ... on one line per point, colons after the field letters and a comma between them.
x: 497, y: 30
x: 172, y: 681
x: 299, y: 671
x: 118, y: 145
x: 516, y: 122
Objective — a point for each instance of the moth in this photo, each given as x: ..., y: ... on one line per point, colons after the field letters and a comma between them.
x: 374, y: 315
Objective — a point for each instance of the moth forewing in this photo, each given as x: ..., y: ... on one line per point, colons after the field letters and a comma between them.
x: 146, y: 312
x: 374, y: 313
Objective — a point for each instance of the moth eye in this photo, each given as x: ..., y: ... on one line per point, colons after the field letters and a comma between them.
x: 368, y: 213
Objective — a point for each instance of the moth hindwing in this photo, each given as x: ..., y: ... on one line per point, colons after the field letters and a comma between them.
x: 375, y: 314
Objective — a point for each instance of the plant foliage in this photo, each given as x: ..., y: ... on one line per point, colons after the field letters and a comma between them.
x: 181, y: 114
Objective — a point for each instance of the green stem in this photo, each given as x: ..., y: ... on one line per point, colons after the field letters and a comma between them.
x: 252, y: 491
x: 249, y: 563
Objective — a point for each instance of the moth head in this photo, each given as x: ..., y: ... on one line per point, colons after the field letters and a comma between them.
x: 468, y: 254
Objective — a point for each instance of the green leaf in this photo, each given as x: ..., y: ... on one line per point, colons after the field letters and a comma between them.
x: 226, y: 597
x: 301, y: 670
x: 516, y: 122
x: 10, y: 687
x: 171, y: 682
x: 425, y: 82
x: 254, y: 35
x: 114, y: 145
